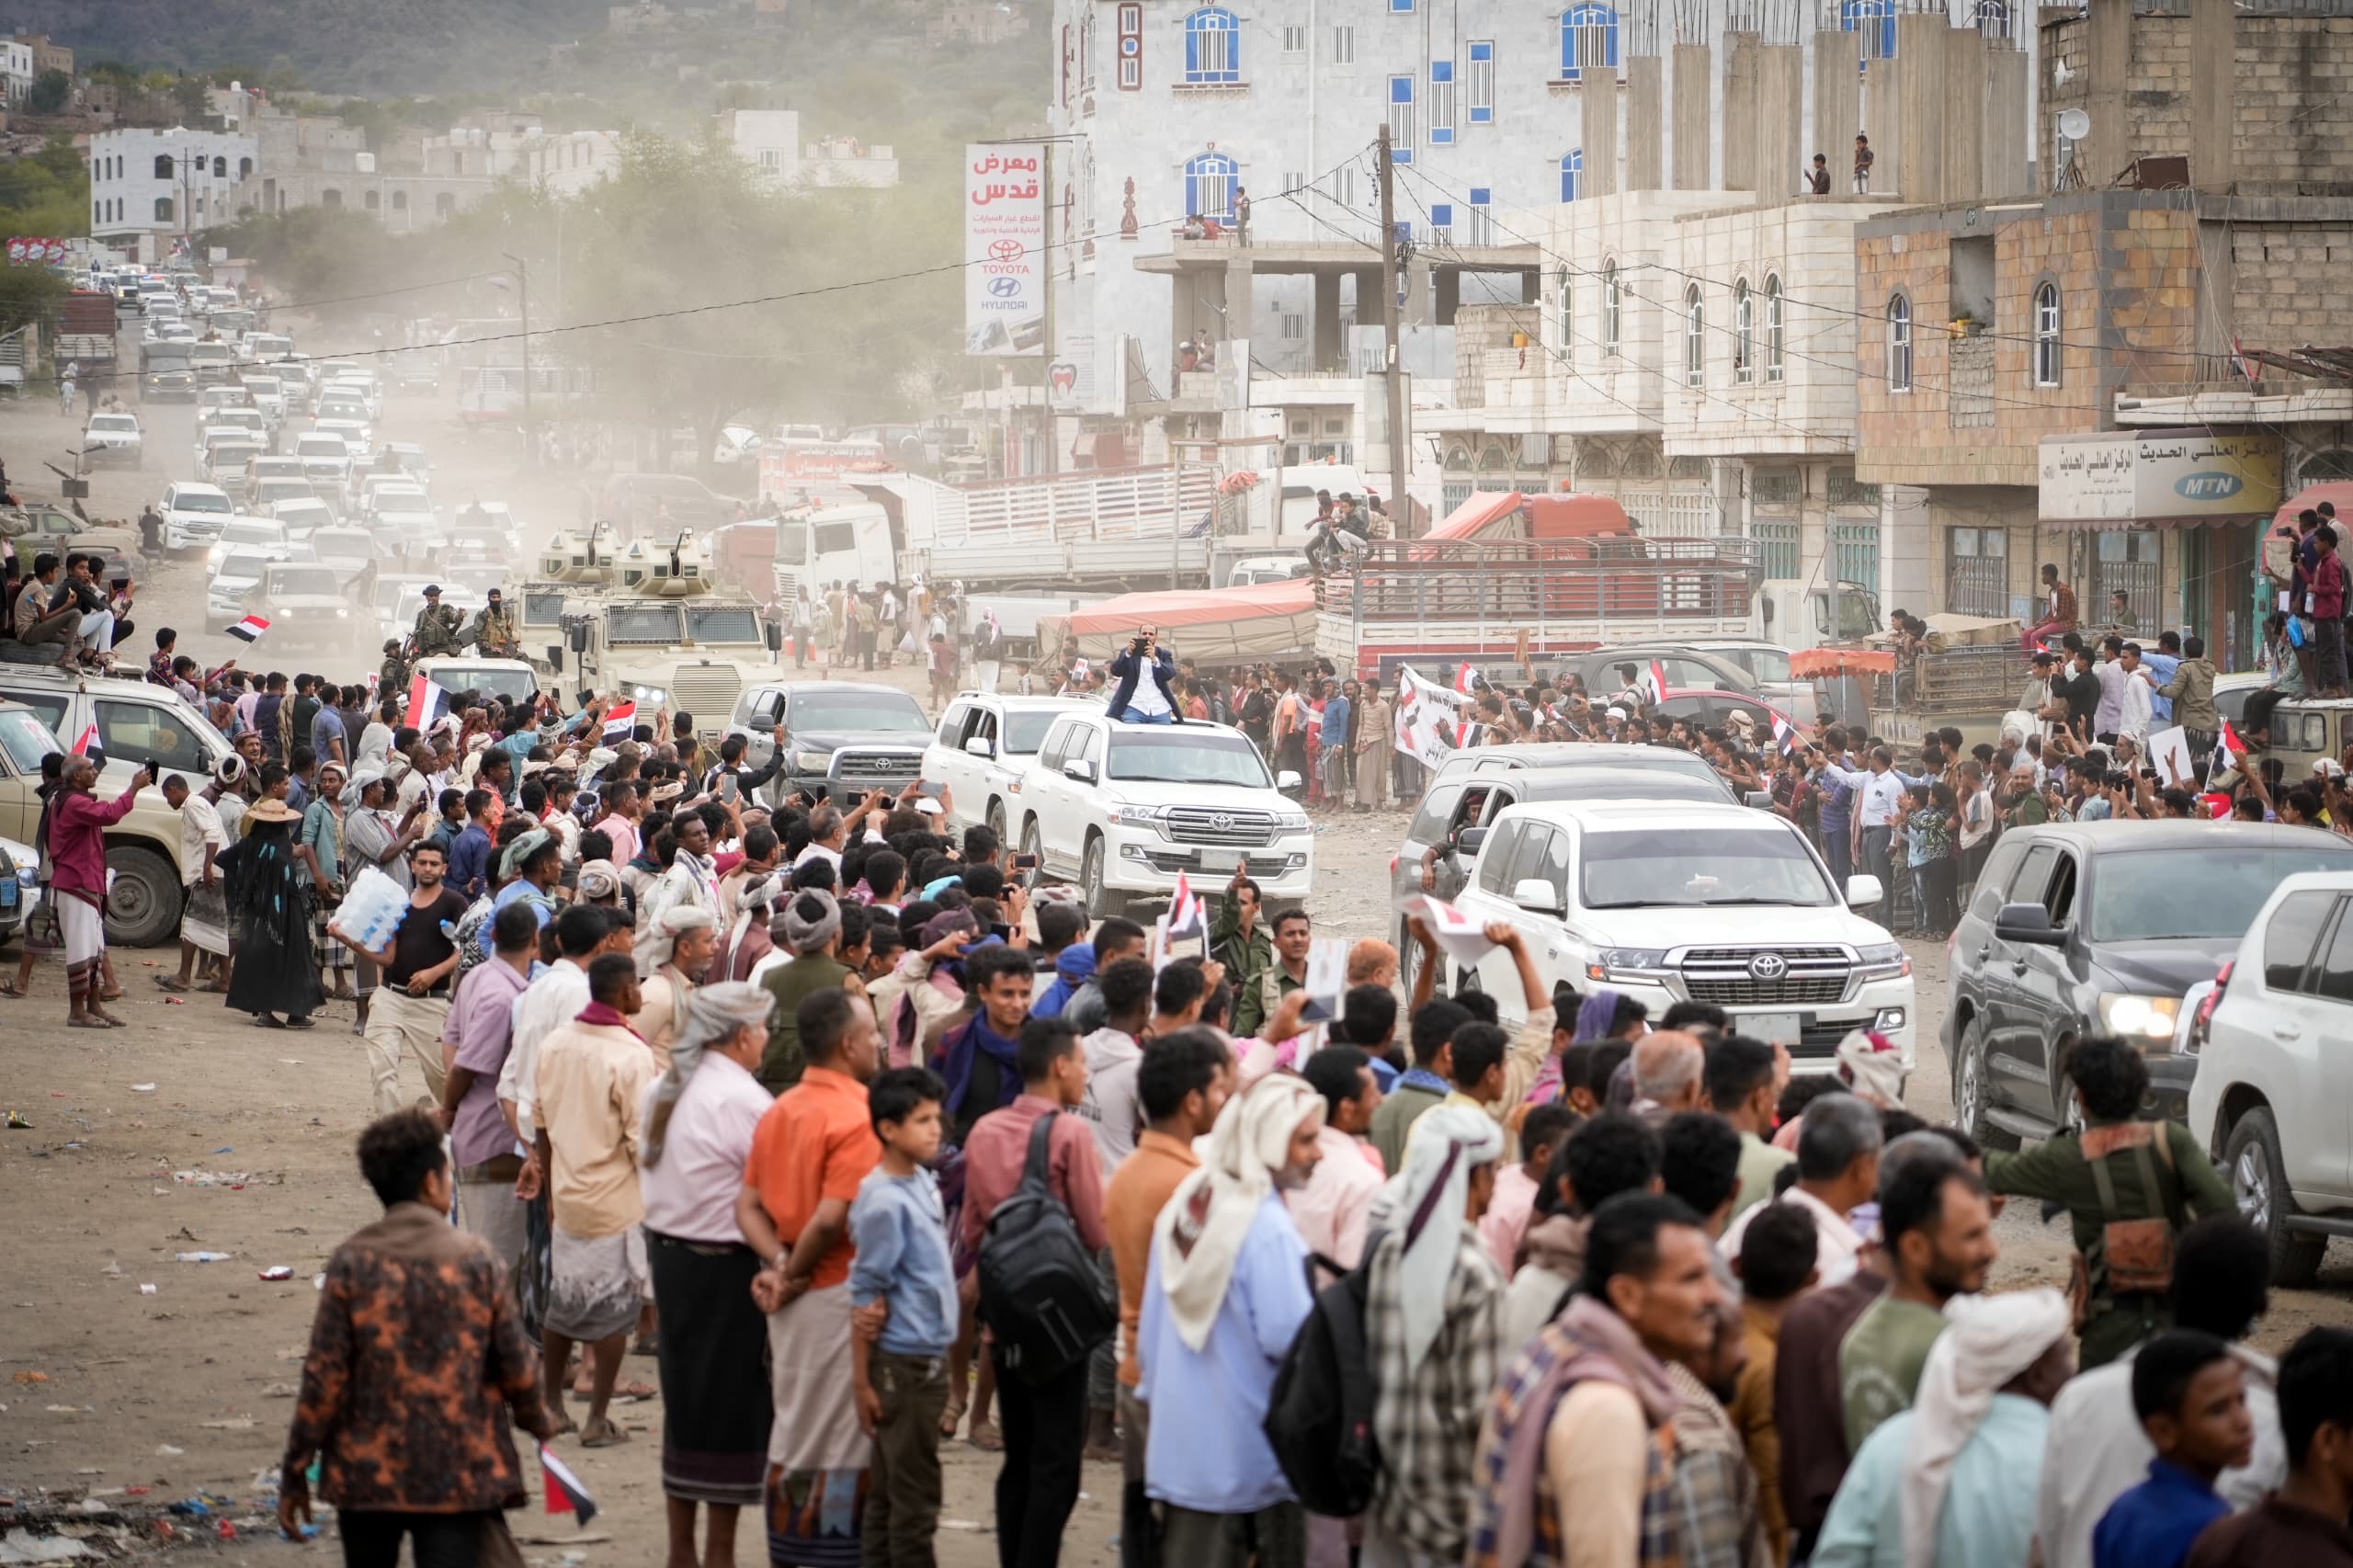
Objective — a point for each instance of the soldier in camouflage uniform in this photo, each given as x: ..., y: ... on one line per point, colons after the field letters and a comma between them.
x: 492, y: 630
x: 392, y: 679
x: 436, y: 633
x: 2130, y: 1187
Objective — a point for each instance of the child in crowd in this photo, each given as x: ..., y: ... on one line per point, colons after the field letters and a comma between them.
x: 2189, y: 1394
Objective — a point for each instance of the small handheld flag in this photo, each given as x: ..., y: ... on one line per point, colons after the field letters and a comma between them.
x: 1185, y: 911
x: 249, y: 629
x: 564, y: 1492
x: 620, y: 720
x: 427, y: 701
x: 1654, y: 683
x: 1785, y: 734
x: 83, y: 742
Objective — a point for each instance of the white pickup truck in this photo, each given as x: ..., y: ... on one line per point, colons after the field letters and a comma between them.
x: 1128, y: 808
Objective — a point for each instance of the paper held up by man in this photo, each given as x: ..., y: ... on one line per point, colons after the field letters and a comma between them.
x: 1459, y: 936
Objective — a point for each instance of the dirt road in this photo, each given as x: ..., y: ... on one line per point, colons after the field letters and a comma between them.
x: 122, y: 1368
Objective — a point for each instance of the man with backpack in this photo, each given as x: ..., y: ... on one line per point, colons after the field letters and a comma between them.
x: 1041, y: 1378
x: 1224, y: 1296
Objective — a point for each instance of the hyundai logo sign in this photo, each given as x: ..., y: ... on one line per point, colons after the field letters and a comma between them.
x: 1004, y: 287
x: 1767, y: 966
x: 2208, y: 486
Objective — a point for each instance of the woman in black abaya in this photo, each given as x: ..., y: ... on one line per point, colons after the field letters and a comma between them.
x: 276, y: 969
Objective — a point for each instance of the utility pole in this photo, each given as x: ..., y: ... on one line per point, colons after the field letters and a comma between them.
x: 1392, y: 384
x: 523, y: 287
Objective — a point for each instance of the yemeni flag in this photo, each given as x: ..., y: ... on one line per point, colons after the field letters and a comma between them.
x: 249, y: 629
x: 1785, y: 734
x: 427, y: 700
x: 564, y: 1491
x: 1185, y: 918
x: 620, y: 720
x: 2228, y: 750
x: 1654, y: 683
x: 86, y: 742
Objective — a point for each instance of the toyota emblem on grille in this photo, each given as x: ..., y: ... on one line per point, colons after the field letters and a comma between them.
x: 1767, y: 966
x: 1222, y: 821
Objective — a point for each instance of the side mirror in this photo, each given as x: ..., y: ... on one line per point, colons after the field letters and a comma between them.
x: 980, y: 746
x: 2029, y: 923
x: 1762, y: 799
x: 1079, y: 768
x: 555, y: 657
x: 1536, y: 894
x: 577, y: 635
x: 1288, y: 781
x: 1468, y: 842
x: 773, y: 635
x: 1862, y: 890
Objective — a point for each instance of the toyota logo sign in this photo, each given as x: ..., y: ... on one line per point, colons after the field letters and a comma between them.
x: 1767, y: 966
x: 1222, y: 821
x: 1005, y: 250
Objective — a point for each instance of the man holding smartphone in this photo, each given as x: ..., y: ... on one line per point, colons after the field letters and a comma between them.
x: 1135, y: 699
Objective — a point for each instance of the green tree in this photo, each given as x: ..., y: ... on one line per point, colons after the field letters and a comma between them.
x: 47, y: 194
x: 52, y: 90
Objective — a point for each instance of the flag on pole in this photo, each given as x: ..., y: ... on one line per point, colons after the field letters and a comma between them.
x: 86, y: 741
x: 249, y: 629
x: 427, y: 701
x: 1653, y: 685
x: 565, y: 1494
x: 1185, y: 918
x: 1785, y: 734
x: 2229, y: 748
x: 620, y: 720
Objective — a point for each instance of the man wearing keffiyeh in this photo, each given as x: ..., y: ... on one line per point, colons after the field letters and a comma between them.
x: 1224, y: 1294
x: 1432, y: 1325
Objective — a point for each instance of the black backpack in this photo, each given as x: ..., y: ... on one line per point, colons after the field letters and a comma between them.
x: 1319, y: 1415
x: 1041, y: 1293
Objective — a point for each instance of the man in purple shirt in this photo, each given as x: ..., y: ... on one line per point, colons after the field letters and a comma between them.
x: 481, y: 1029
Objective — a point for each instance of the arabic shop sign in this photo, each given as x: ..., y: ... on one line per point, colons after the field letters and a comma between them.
x: 2154, y: 476
x: 1004, y: 250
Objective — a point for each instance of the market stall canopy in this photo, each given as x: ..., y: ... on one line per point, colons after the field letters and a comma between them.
x: 1215, y: 625
x: 1809, y: 663
x: 2337, y: 492
x: 1487, y: 515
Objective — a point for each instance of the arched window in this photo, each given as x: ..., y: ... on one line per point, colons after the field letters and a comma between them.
x: 163, y: 165
x: 1744, y: 326
x: 1568, y: 316
x: 368, y: 201
x: 1212, y: 46
x: 1208, y: 186
x: 1572, y: 173
x: 1695, y: 338
x: 1875, y: 20
x: 1611, y: 301
x: 1899, y: 344
x: 1991, y: 17
x: 444, y: 204
x: 400, y: 201
x: 2046, y: 336
x: 1588, y: 41
x: 330, y: 197
x: 245, y: 168
x: 1772, y: 327
x: 163, y: 210
x: 220, y: 168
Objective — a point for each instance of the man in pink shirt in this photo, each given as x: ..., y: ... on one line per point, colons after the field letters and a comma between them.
x: 1506, y: 1220
x: 1330, y: 1211
x: 622, y: 807
x: 77, y: 853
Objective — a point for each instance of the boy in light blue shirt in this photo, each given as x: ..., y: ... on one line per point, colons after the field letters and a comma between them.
x: 902, y: 1296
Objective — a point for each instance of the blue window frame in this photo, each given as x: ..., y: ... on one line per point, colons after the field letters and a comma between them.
x: 1875, y: 19
x: 1401, y: 137
x: 1482, y: 227
x: 1589, y: 40
x: 1209, y: 181
x: 1571, y: 174
x: 1212, y: 46
x: 1441, y: 103
x: 1401, y: 6
x: 1441, y: 215
x: 1482, y: 81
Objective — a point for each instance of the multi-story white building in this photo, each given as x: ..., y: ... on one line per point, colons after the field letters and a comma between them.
x: 156, y: 183
x: 17, y: 69
x: 770, y: 139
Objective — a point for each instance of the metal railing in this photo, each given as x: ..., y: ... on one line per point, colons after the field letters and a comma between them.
x: 1503, y: 587
x: 1079, y: 508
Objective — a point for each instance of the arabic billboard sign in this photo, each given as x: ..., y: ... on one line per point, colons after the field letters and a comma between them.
x: 1005, y: 251
x: 2157, y: 476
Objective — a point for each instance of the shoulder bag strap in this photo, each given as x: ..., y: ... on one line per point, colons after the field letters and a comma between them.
x: 1041, y: 1134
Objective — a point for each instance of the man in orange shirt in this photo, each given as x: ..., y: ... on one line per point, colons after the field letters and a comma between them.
x: 1182, y: 1084
x: 810, y: 1152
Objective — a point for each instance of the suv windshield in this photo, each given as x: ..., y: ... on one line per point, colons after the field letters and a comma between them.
x: 1153, y: 753
x: 724, y: 623
x: 507, y: 685
x: 649, y: 623
x: 26, y: 740
x: 187, y: 502
x: 2137, y: 896
x: 888, y: 711
x: 114, y: 421
x: 314, y: 582
x: 793, y: 544
x: 1650, y: 868
x: 1025, y: 731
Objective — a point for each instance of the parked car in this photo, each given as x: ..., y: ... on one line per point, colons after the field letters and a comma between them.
x: 840, y: 736
x: 1606, y: 670
x: 983, y: 746
x: 1700, y: 900
x: 1125, y: 809
x: 114, y: 439
x: 1768, y: 665
x: 2272, y: 1076
x: 2099, y: 928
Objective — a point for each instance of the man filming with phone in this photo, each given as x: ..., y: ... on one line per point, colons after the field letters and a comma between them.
x: 1135, y: 699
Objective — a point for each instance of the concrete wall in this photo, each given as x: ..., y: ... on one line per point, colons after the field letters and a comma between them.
x: 1837, y: 105
x: 1688, y: 105
x: 1597, y: 126
x: 1779, y: 129
x: 1645, y: 123
x: 1740, y: 151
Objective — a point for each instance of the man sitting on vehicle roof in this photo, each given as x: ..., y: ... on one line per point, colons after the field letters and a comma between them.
x: 1140, y: 701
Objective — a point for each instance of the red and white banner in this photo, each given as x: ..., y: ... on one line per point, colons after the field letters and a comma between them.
x: 40, y: 253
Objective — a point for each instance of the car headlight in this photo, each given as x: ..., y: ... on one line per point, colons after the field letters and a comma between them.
x: 2135, y: 1017
x: 1882, y: 960
x: 1291, y: 822
x: 342, y: 614
x: 1139, y: 817
x: 1615, y: 963
x: 808, y: 761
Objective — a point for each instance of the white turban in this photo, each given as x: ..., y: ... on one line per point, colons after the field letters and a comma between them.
x: 655, y: 943
x: 1202, y: 1226
x: 713, y: 1014
x: 1429, y: 1203
x: 1992, y: 1340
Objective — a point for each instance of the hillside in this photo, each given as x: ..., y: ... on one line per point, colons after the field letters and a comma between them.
x: 356, y: 46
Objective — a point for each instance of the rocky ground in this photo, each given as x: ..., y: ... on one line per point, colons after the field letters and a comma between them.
x: 133, y: 1382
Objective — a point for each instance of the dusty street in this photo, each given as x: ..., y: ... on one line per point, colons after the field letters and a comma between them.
x: 142, y: 1380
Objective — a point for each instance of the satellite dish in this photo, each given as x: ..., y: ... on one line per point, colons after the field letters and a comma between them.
x: 2074, y: 124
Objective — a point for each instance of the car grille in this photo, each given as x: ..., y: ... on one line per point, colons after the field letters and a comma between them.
x: 1220, y: 828
x: 875, y: 766
x: 1723, y: 976
x: 698, y: 691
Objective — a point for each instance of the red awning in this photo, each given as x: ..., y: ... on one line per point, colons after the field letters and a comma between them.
x: 1205, y: 623
x: 2337, y: 492
x: 1810, y: 662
